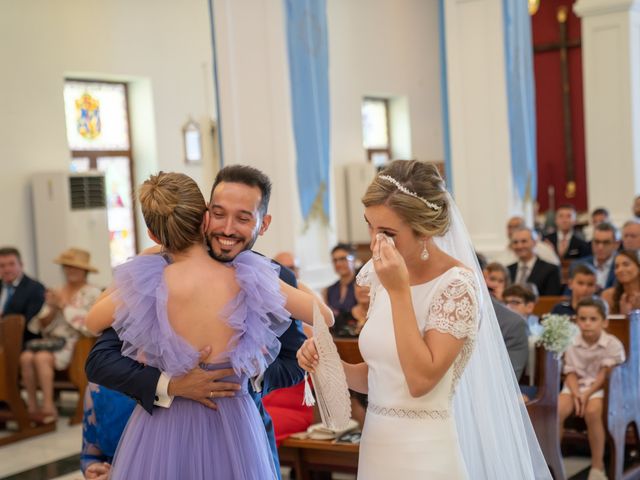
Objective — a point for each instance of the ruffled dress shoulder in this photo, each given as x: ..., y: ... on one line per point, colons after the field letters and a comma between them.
x: 197, y: 442
x: 256, y: 314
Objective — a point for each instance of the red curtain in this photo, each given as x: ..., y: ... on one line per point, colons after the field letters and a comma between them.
x: 549, y: 109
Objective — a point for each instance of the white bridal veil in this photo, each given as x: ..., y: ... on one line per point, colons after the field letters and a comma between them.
x: 496, y: 436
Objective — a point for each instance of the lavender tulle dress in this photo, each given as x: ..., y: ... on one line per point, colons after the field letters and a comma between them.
x: 189, y: 440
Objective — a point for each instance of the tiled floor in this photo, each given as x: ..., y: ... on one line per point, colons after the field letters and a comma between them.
x: 56, y: 456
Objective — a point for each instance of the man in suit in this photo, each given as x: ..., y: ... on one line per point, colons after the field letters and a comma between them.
x: 513, y: 327
x: 19, y: 294
x: 567, y: 243
x: 605, y: 244
x: 631, y: 235
x: 238, y: 215
x: 529, y: 268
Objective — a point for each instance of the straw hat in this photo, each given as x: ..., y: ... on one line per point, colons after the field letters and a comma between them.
x: 76, y: 257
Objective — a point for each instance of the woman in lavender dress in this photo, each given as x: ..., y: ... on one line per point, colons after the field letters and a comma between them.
x: 166, y: 308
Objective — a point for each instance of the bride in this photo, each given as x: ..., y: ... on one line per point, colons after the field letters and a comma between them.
x: 443, y: 398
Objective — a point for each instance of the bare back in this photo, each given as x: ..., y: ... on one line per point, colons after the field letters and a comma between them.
x: 198, y: 290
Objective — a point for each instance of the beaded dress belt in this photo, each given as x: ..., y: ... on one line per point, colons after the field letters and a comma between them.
x: 408, y: 413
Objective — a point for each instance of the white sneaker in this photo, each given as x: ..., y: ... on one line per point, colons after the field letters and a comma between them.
x: 595, y: 474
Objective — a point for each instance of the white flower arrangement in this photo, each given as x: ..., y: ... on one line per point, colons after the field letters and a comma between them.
x: 558, y: 333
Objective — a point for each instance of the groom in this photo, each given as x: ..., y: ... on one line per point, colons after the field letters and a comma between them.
x: 238, y: 211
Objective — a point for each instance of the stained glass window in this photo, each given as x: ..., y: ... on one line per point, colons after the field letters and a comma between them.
x: 96, y: 116
x: 119, y: 198
x: 98, y: 135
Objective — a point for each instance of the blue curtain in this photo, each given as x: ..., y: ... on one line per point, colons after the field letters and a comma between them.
x: 309, y: 77
x: 521, y: 97
x: 444, y: 95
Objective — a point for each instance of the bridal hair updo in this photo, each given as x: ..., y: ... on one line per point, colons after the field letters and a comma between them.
x: 420, y: 178
x: 173, y: 208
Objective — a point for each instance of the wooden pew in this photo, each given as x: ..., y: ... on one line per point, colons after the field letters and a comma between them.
x: 74, y: 378
x: 348, y: 350
x: 543, y: 410
x: 11, y: 329
x: 546, y: 303
x: 306, y: 456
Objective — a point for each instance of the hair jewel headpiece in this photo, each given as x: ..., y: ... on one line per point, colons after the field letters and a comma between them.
x: 406, y: 191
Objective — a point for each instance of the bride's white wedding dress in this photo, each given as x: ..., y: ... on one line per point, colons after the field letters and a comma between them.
x: 406, y: 437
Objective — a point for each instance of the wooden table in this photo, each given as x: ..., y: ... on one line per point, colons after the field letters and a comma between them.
x: 306, y: 456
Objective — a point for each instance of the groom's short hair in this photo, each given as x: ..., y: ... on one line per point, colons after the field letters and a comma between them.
x: 247, y: 176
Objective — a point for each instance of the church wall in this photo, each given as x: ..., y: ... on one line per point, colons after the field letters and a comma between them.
x: 376, y: 47
x: 162, y: 48
x: 388, y: 49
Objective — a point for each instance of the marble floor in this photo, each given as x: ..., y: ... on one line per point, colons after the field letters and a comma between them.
x: 55, y: 455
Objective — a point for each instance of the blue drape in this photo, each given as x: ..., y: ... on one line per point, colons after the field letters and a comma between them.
x: 521, y: 96
x: 444, y: 96
x: 306, y: 23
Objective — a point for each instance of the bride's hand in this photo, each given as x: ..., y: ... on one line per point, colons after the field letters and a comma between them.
x: 308, y: 356
x: 389, y: 265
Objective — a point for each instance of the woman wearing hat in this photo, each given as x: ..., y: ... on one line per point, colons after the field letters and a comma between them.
x: 60, y: 322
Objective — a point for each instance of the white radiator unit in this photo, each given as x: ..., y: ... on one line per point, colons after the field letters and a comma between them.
x: 358, y: 176
x: 70, y: 211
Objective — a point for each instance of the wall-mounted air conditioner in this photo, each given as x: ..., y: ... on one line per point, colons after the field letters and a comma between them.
x: 70, y: 211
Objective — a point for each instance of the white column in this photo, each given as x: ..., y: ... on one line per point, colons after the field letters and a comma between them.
x: 478, y: 120
x: 256, y: 124
x: 611, y: 71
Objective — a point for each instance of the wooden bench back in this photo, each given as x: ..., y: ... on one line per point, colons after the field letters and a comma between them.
x: 348, y: 350
x: 546, y: 303
x: 620, y: 326
x: 11, y: 330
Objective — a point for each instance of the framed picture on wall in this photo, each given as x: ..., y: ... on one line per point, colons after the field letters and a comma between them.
x: 192, y: 142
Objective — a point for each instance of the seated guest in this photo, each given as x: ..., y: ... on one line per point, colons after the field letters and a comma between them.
x: 582, y: 285
x: 513, y: 328
x: 631, y: 235
x: 286, y: 409
x: 598, y: 216
x: 522, y: 299
x: 565, y: 240
x: 605, y: 244
x: 289, y: 260
x: 341, y: 295
x: 497, y: 277
x: 106, y: 413
x: 530, y: 268
x: 349, y: 324
x: 624, y: 296
x: 515, y: 334
x: 543, y: 250
x: 19, y: 294
x: 587, y: 363
x: 60, y: 322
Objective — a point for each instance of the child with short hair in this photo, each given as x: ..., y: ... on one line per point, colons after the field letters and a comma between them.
x: 582, y: 285
x: 497, y: 277
x: 522, y: 299
x: 587, y: 363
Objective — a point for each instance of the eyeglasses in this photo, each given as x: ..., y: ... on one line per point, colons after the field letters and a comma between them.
x: 604, y: 243
x: 513, y: 301
x: 348, y: 258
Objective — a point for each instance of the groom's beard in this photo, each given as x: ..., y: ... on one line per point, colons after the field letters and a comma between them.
x: 222, y: 253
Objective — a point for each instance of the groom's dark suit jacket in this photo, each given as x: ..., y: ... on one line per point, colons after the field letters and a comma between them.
x: 106, y: 366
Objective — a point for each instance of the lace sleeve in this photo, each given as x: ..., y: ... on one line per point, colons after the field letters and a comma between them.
x: 454, y: 308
